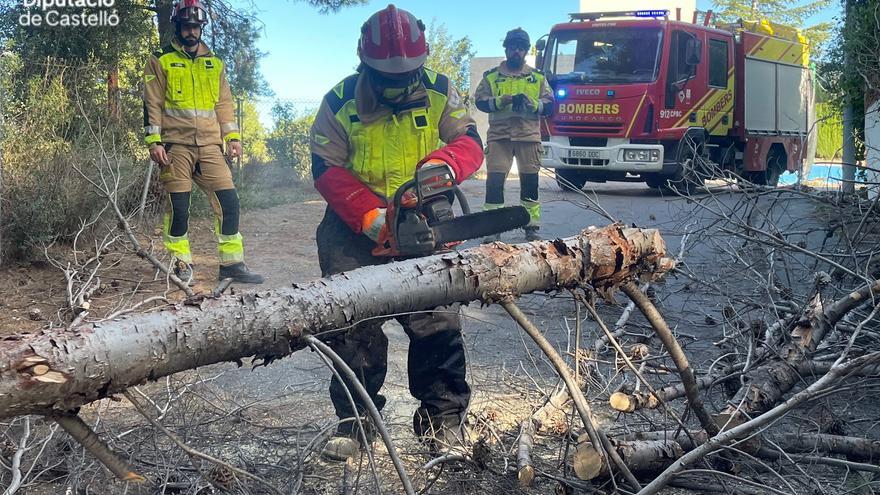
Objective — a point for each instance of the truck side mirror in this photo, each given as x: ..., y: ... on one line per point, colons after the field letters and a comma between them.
x: 539, y: 56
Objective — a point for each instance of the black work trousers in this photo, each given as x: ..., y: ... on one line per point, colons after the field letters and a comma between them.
x: 436, y: 361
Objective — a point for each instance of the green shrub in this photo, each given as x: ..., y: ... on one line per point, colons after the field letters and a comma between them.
x: 829, y: 132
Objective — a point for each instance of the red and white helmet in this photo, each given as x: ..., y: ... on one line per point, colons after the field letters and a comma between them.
x: 393, y: 41
x: 189, y: 12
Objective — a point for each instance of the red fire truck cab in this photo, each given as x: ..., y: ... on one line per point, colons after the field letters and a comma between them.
x: 671, y: 103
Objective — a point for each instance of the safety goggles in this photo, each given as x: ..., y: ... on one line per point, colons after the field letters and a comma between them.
x: 192, y: 15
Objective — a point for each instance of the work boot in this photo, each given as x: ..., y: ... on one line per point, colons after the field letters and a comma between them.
x: 489, y: 239
x: 346, y: 441
x: 240, y: 273
x: 448, y: 440
x: 184, y: 271
x: 441, y: 435
x: 341, y: 448
x: 532, y: 233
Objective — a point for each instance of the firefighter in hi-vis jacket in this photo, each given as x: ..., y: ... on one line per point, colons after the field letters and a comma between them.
x: 515, y: 96
x: 372, y: 131
x: 188, y: 115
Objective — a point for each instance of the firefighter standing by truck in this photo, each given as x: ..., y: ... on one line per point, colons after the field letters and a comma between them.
x: 372, y: 131
x: 188, y: 116
x: 515, y: 96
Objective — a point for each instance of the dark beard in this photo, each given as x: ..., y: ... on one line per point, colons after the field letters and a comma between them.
x: 515, y: 63
x: 188, y: 42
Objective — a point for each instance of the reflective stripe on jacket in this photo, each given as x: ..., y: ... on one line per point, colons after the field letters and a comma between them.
x: 187, y: 99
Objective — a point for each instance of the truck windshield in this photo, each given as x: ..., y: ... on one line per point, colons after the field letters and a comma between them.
x: 605, y: 55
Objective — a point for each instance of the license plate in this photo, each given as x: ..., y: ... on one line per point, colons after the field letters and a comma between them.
x: 583, y: 154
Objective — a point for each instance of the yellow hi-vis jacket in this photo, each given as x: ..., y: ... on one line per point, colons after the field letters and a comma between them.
x: 187, y: 99
x: 504, y: 122
x: 382, y: 147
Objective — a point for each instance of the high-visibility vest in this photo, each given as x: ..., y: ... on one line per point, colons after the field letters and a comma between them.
x: 192, y: 91
x: 383, y: 154
x: 503, y: 84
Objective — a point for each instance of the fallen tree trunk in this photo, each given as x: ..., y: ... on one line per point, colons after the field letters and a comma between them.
x: 636, y: 400
x: 766, y: 385
x: 56, y: 371
x: 653, y: 451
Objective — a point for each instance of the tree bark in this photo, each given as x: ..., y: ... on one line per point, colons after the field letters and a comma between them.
x: 767, y: 384
x: 653, y: 451
x: 101, y: 359
x: 163, y: 21
x: 634, y: 401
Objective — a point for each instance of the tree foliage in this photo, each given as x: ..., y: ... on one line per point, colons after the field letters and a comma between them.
x: 851, y: 69
x: 288, y: 143
x: 784, y: 12
x: 449, y: 56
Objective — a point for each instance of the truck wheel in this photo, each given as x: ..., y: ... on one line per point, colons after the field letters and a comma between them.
x: 570, y: 180
x: 770, y: 175
x: 689, y: 175
x: 687, y: 178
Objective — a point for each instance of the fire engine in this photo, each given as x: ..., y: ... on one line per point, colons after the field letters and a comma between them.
x: 641, y: 97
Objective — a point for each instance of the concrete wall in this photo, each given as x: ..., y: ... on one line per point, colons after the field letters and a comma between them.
x: 478, y: 66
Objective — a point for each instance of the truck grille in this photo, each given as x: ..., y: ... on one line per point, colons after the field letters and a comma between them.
x: 591, y: 142
x: 585, y: 162
x: 612, y: 128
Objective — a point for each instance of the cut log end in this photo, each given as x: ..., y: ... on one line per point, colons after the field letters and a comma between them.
x: 133, y: 477
x: 526, y: 476
x: 622, y: 402
x: 587, y: 462
x: 40, y: 369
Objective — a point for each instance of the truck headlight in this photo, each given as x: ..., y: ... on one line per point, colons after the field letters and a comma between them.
x: 630, y: 155
x: 655, y: 155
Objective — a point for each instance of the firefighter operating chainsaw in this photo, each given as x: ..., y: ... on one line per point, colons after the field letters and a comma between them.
x: 389, y: 143
x: 420, y: 218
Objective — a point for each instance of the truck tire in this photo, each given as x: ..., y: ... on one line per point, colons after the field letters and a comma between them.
x: 570, y: 180
x: 688, y: 177
x: 770, y: 175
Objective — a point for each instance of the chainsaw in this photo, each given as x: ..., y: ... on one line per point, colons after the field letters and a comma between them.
x: 420, y: 219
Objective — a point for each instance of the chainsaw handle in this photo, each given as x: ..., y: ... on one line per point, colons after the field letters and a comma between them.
x: 395, y: 207
x: 462, y: 201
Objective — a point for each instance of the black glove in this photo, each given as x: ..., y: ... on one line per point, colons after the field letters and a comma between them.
x: 519, y: 102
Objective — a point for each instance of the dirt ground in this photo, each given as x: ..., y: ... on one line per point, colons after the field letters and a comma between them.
x: 279, y: 244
